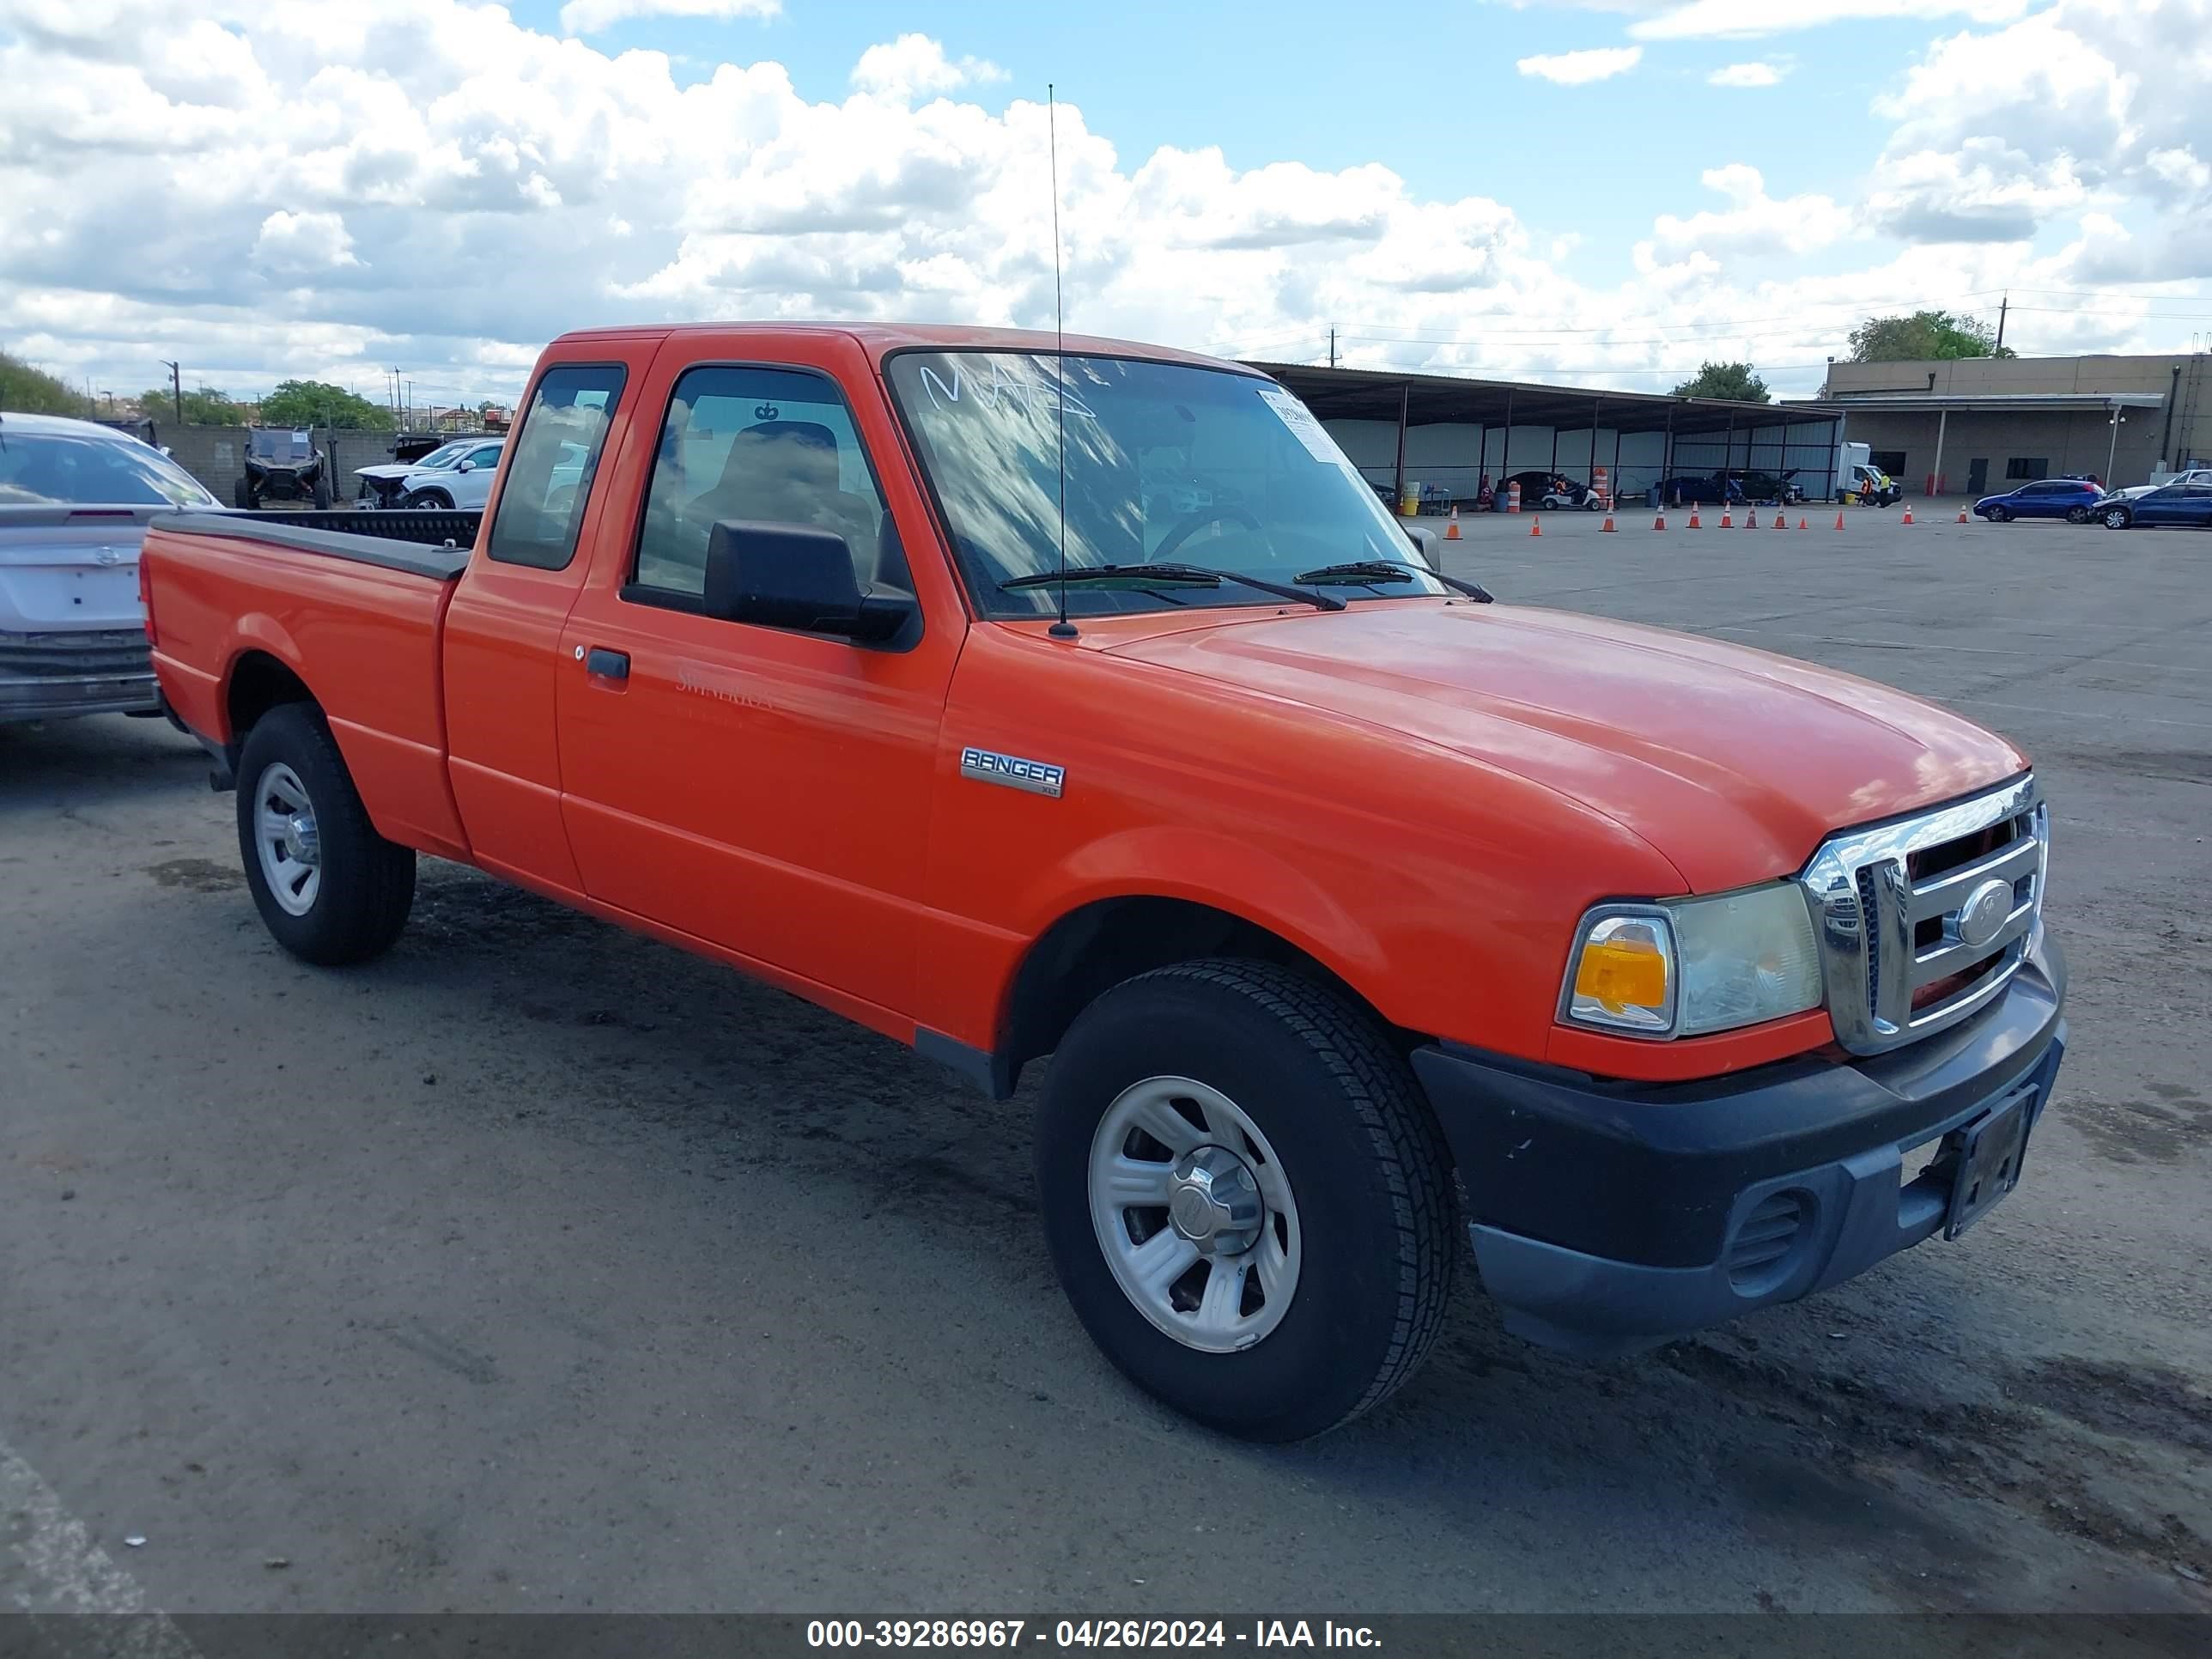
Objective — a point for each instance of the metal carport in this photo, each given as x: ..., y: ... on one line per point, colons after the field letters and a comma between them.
x: 1460, y: 432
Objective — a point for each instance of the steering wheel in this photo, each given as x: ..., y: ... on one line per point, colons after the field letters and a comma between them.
x: 1190, y: 521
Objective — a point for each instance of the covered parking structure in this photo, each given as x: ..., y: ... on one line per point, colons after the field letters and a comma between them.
x: 1453, y: 434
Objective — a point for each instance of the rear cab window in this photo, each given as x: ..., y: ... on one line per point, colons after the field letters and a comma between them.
x: 557, y: 457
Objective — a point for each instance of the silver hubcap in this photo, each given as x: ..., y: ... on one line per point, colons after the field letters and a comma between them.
x: 285, y: 837
x: 1195, y: 1214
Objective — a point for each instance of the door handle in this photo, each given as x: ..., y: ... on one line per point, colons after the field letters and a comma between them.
x: 605, y: 664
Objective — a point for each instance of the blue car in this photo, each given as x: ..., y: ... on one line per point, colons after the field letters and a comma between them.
x: 2071, y: 499
x: 2187, y: 504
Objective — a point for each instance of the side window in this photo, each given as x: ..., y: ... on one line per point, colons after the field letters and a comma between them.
x: 485, y: 455
x: 773, y: 445
x: 2027, y: 466
x: 555, y: 455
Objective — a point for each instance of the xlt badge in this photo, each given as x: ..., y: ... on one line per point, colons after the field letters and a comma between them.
x: 1038, y: 777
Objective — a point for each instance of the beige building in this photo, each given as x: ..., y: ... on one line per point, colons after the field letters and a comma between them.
x: 1978, y: 426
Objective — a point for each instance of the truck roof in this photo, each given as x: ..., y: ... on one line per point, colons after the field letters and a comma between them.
x: 879, y: 339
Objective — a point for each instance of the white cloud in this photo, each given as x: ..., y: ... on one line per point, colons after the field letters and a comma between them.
x: 1575, y: 69
x: 1753, y: 221
x: 1748, y: 75
x: 590, y: 16
x: 915, y: 63
x: 1743, y: 20
x: 300, y: 243
x: 269, y: 188
x: 2091, y: 99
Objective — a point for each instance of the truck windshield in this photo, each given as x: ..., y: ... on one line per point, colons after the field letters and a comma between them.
x: 1167, y: 463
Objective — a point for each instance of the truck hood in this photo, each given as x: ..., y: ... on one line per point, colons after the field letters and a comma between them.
x: 1734, y: 763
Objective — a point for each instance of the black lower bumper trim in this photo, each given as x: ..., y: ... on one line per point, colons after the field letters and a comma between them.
x: 1609, y: 1215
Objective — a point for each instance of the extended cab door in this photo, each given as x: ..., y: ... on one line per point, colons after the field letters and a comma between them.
x: 765, y: 791
x: 502, y: 633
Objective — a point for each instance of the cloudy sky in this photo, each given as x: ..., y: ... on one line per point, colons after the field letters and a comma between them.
x: 1605, y: 192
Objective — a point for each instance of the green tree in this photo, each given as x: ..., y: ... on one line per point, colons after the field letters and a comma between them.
x: 204, y: 407
x: 31, y: 390
x: 1923, y: 336
x: 1733, y: 380
x: 318, y: 403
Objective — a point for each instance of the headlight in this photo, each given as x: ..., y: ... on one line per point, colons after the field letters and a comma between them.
x: 1691, y: 966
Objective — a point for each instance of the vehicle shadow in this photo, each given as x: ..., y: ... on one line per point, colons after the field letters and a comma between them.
x: 1849, y: 1424
x: 67, y: 766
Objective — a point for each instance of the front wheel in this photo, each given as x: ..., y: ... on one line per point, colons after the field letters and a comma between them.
x: 241, y: 494
x: 2116, y: 518
x: 329, y: 889
x: 1246, y: 1199
x: 322, y: 495
x: 436, y: 500
x: 2000, y: 514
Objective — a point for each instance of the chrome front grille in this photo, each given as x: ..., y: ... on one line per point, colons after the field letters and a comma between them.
x: 1922, y: 922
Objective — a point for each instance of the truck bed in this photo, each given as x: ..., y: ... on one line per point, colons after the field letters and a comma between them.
x: 349, y: 605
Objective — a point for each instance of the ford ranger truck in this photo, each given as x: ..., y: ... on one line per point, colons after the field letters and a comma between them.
x: 1084, y: 703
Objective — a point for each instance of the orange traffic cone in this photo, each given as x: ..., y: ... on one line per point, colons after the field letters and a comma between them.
x: 1780, y: 522
x: 1451, y: 530
x: 1751, y: 517
x: 1839, y: 518
x: 1908, y: 516
x: 1660, y: 523
x: 1802, y: 525
x: 1607, y: 528
x: 1962, y: 518
x: 1727, y: 523
x: 1536, y: 526
x: 1693, y: 516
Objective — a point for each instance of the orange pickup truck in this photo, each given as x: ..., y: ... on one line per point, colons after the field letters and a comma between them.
x: 1019, y: 700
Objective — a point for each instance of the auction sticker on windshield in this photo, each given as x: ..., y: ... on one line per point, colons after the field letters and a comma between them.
x: 1306, y: 429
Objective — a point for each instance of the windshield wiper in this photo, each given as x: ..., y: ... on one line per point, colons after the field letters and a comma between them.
x: 1197, y: 575
x: 1364, y: 571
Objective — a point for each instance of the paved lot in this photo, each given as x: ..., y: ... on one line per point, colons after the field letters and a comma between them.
x: 540, y: 1267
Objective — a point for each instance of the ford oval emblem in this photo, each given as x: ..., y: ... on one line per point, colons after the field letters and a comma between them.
x: 1983, y: 916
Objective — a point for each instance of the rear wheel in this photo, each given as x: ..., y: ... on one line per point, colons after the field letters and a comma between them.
x: 1246, y: 1197
x: 2117, y: 518
x: 329, y: 889
x: 242, y: 494
x: 2077, y: 515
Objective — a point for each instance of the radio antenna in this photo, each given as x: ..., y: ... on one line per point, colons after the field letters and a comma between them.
x: 1062, y: 629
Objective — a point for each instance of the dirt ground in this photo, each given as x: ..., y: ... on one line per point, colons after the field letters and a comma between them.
x: 539, y: 1266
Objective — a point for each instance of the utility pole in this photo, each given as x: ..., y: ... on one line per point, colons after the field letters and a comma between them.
x: 2003, y: 306
x: 1331, y: 348
x: 176, y: 388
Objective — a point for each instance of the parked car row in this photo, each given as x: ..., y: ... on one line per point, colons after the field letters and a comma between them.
x: 2185, y: 501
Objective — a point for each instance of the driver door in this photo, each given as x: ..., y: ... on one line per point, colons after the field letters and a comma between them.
x: 765, y: 791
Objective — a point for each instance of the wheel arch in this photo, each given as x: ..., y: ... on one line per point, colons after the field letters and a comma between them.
x: 1102, y: 942
x: 259, y: 680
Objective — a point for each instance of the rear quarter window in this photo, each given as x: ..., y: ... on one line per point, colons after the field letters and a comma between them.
x: 556, y: 460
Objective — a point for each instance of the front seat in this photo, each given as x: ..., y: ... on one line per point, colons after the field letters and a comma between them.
x: 785, y: 472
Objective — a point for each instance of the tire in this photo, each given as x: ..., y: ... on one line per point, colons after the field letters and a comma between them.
x: 2077, y: 515
x: 1365, y: 1239
x: 241, y: 494
x: 2117, y: 517
x: 2000, y: 515
x: 435, y: 500
x: 354, y: 899
x: 322, y: 494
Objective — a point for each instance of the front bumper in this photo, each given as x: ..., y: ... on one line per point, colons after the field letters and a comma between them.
x: 1610, y: 1216
x: 54, y: 676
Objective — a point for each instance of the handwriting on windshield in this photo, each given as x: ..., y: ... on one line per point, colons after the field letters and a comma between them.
x: 1001, y: 388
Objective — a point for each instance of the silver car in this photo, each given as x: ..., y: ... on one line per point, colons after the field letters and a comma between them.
x: 75, y: 499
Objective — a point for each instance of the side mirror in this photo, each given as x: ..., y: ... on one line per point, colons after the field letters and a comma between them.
x: 465, y: 466
x: 796, y: 576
